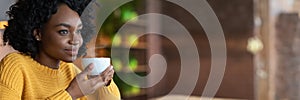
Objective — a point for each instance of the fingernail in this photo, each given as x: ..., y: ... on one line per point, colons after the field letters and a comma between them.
x: 92, y: 66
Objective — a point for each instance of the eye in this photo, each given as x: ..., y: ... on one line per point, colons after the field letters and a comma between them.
x: 78, y: 31
x: 63, y: 32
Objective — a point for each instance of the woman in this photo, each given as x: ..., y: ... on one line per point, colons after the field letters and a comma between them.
x: 47, y: 34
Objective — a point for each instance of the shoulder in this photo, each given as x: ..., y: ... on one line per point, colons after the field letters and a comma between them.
x: 11, y: 68
x: 14, y: 63
x: 14, y: 58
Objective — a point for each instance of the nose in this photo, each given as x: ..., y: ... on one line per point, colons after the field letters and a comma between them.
x: 75, y: 39
x: 74, y: 42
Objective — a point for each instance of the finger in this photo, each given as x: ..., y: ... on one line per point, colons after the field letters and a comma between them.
x: 108, y: 75
x: 87, y: 70
x: 108, y: 83
x: 111, y: 74
x: 112, y: 71
x: 107, y: 70
x: 97, y: 79
x: 100, y: 83
x: 108, y: 78
x: 92, y: 76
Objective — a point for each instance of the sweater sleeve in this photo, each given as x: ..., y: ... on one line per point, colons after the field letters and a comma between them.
x: 110, y: 92
x: 63, y: 95
x: 11, y: 79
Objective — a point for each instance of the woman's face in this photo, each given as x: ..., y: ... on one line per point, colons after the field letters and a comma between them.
x: 61, y: 36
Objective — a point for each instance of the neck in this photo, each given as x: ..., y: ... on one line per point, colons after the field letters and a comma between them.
x: 47, y: 61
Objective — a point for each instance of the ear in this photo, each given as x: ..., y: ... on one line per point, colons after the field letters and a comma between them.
x: 37, y: 34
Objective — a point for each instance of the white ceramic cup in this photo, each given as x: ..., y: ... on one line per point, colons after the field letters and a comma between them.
x: 100, y: 64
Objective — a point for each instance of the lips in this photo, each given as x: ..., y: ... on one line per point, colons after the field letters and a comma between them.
x: 71, y: 52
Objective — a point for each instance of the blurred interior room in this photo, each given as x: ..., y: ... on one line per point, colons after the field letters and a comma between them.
x: 262, y: 55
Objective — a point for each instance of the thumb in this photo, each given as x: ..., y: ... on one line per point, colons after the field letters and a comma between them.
x: 87, y: 70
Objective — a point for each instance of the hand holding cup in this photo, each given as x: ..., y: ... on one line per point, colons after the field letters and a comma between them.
x: 102, y: 74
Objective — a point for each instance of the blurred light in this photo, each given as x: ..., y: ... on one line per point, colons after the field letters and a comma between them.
x: 254, y: 45
x: 117, y: 40
x: 129, y: 15
x: 133, y: 40
x: 117, y: 65
x: 133, y: 63
x: 135, y: 90
x: 2, y: 23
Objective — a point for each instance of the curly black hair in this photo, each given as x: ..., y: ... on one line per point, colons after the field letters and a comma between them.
x: 27, y: 15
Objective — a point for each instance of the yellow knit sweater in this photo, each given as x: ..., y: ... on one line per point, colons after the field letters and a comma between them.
x: 21, y: 77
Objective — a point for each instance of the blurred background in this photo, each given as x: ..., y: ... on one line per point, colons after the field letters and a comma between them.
x: 262, y: 45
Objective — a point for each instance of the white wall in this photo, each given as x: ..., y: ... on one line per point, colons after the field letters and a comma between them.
x: 4, y: 6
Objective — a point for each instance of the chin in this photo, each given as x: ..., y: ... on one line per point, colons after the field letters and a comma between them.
x: 70, y: 60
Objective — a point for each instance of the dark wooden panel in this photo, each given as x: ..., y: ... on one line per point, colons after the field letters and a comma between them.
x: 236, y: 18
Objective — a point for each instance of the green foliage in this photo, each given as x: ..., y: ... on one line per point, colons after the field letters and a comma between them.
x: 119, y: 17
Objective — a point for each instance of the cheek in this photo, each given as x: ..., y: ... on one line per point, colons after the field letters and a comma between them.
x: 81, y: 41
x: 59, y: 40
x: 55, y: 42
x: 56, y: 45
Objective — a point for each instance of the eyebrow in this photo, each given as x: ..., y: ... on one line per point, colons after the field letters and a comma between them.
x: 66, y: 25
